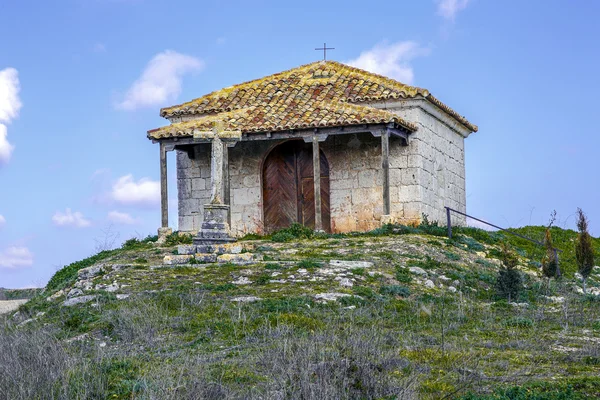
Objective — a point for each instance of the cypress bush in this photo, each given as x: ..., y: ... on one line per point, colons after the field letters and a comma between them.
x: 584, y: 251
x: 509, y: 281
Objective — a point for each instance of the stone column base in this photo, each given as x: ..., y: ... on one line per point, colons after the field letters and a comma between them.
x: 162, y: 234
x: 215, y: 228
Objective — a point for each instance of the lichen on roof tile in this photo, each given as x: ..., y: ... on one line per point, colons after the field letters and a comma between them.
x: 324, y: 93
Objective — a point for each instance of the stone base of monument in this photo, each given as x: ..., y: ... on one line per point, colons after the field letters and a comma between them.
x: 214, y: 230
x: 213, y: 244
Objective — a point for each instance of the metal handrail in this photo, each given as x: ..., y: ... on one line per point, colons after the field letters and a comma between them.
x: 449, y: 223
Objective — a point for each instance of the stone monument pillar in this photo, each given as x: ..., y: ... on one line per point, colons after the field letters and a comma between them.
x: 215, y: 229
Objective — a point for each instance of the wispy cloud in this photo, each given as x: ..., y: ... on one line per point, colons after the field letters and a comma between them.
x: 71, y: 219
x: 160, y: 81
x: 121, y: 218
x: 99, y: 48
x: 392, y: 60
x: 127, y: 191
x: 15, y: 257
x: 449, y: 8
x: 2, y: 221
x: 10, y: 104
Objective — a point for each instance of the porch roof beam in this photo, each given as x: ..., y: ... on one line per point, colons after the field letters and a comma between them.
x: 306, y: 134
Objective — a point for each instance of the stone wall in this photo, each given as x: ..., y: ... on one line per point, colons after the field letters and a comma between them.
x: 429, y: 174
x: 425, y: 176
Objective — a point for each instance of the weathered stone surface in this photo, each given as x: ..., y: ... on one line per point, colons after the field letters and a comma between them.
x: 122, y: 296
x: 345, y: 282
x: 79, y: 300
x: 235, y: 258
x: 90, y: 272
x: 205, y: 258
x: 429, y: 284
x: 162, y: 234
x: 245, y: 299
x: 186, y: 249
x: 418, y: 271
x: 350, y: 264
x: 56, y: 295
x: 177, y: 259
x: 331, y: 296
x: 242, y: 280
x: 74, y: 293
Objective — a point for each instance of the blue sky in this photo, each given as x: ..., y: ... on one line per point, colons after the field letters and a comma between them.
x: 81, y: 81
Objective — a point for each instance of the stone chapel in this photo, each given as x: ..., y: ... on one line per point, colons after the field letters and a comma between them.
x: 325, y: 144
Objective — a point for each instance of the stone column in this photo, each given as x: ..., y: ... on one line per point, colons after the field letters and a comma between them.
x: 216, y: 171
x: 317, y: 183
x: 215, y: 226
x: 164, y: 229
x: 385, y: 167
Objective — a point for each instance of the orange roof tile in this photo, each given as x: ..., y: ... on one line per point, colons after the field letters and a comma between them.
x: 313, y: 95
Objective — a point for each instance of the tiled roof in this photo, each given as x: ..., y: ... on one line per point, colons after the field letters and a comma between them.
x: 313, y: 95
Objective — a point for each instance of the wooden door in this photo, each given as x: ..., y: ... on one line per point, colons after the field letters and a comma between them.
x: 288, y: 187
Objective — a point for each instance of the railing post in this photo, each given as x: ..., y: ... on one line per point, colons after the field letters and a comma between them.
x: 449, y: 222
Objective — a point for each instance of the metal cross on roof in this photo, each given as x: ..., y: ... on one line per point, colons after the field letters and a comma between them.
x: 325, y: 48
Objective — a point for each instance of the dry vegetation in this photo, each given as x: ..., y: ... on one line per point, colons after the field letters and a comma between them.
x: 413, y: 315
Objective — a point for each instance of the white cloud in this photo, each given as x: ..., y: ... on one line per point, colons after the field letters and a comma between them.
x: 449, y: 8
x: 161, y: 80
x: 2, y: 220
x: 129, y: 192
x: 69, y: 218
x: 15, y: 257
x: 10, y: 104
x: 121, y: 218
x: 391, y: 60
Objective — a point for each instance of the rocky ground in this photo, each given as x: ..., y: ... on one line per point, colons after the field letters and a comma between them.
x: 406, y: 315
x: 7, y: 306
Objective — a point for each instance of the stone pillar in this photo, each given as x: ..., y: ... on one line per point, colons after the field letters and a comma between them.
x: 385, y: 167
x: 164, y: 229
x: 215, y: 226
x: 216, y: 171
x: 317, y: 183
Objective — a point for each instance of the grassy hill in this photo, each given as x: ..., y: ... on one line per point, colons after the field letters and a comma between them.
x: 397, y: 313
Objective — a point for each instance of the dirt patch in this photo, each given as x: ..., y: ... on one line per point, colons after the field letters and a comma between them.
x: 7, y: 306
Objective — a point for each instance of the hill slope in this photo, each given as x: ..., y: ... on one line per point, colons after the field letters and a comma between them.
x: 397, y: 313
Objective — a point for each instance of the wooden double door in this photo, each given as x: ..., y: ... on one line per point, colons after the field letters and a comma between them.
x: 288, y: 187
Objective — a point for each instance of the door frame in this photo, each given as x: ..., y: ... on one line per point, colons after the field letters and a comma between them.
x: 268, y: 151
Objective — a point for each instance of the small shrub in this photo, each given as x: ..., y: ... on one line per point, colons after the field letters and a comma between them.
x: 295, y: 231
x: 452, y: 256
x: 403, y: 275
x: 177, y: 238
x: 428, y: 263
x: 136, y: 244
x: 349, y: 301
x: 282, y: 237
x: 509, y: 281
x: 272, y: 266
x: 262, y: 279
x: 395, y: 290
x: 519, y: 322
x: 364, y: 291
x: 359, y: 271
x: 140, y: 260
x: 309, y: 263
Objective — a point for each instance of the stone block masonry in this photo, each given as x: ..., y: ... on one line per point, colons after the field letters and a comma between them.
x: 424, y: 176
